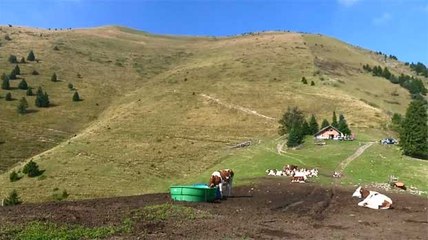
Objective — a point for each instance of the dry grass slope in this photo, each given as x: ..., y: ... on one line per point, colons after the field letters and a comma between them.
x: 144, y: 122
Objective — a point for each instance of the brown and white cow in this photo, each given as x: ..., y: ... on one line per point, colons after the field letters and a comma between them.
x: 220, y: 178
x: 372, y: 199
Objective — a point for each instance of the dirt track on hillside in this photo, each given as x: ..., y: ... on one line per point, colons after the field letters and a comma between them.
x: 272, y: 209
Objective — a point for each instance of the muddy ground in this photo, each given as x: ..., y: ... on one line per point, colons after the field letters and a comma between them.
x: 271, y: 209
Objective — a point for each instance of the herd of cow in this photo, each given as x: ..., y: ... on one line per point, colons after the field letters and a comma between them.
x: 372, y: 199
x: 296, y: 174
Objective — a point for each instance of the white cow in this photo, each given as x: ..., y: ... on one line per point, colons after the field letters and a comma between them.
x: 372, y: 199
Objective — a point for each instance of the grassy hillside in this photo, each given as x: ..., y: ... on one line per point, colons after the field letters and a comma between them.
x: 158, y: 109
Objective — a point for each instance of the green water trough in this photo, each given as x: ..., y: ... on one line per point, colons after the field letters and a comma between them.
x: 193, y: 193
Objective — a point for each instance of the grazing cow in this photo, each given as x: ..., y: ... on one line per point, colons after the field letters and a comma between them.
x: 372, y: 199
x: 299, y: 177
x: 271, y: 172
x: 218, y: 178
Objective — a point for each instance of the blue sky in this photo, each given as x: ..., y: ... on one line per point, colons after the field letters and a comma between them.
x: 397, y: 27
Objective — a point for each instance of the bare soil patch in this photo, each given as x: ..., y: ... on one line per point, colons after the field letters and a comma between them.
x: 271, y: 209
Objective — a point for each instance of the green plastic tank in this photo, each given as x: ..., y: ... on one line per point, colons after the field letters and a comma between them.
x: 193, y: 193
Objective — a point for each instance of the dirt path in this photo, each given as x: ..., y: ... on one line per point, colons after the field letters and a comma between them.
x: 232, y: 106
x: 356, y: 154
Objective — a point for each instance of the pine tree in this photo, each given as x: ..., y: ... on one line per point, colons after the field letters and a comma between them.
x: 54, y: 77
x: 12, y: 74
x: 13, y: 176
x: 313, y: 125
x: 70, y: 86
x: 17, y: 70
x: 306, y: 130
x: 34, y: 72
x: 12, y: 200
x: 46, y: 99
x: 324, y: 123
x: 76, y: 97
x: 29, y: 92
x: 23, y: 84
x: 22, y: 106
x: 343, y: 126
x: 295, y: 137
x: 22, y: 60
x: 31, y: 56
x: 304, y: 81
x: 13, y: 59
x: 334, y: 120
x: 8, y: 96
x: 414, y: 134
x: 312, y: 83
x: 293, y: 117
x: 31, y: 169
x: 42, y: 99
x: 5, y: 83
x: 396, y: 122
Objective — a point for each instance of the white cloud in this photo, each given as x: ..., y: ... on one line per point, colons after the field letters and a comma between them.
x: 382, y: 20
x: 347, y: 3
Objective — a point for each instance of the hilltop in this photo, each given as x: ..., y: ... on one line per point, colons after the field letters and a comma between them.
x: 158, y: 109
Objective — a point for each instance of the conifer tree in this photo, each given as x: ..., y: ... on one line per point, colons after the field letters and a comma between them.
x: 54, y: 77
x: 5, y: 83
x: 8, y: 96
x: 304, y: 81
x: 312, y: 83
x: 17, y: 70
x: 13, y: 199
x: 306, y: 130
x: 295, y: 137
x: 13, y: 59
x: 22, y: 106
x: 414, y: 133
x: 12, y: 74
x: 31, y: 56
x: 324, y: 123
x: 23, y: 84
x: 76, y: 97
x: 313, y: 125
x: 13, y: 176
x: 29, y: 92
x: 334, y: 120
x: 31, y: 169
x: 42, y: 99
x: 292, y: 117
x: 343, y: 126
x: 22, y: 60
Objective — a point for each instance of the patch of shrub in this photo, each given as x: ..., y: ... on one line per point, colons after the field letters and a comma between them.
x: 12, y: 199
x: 304, y: 81
x: 34, y: 72
x: 14, y: 176
x: 8, y: 97
x: 59, y: 196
